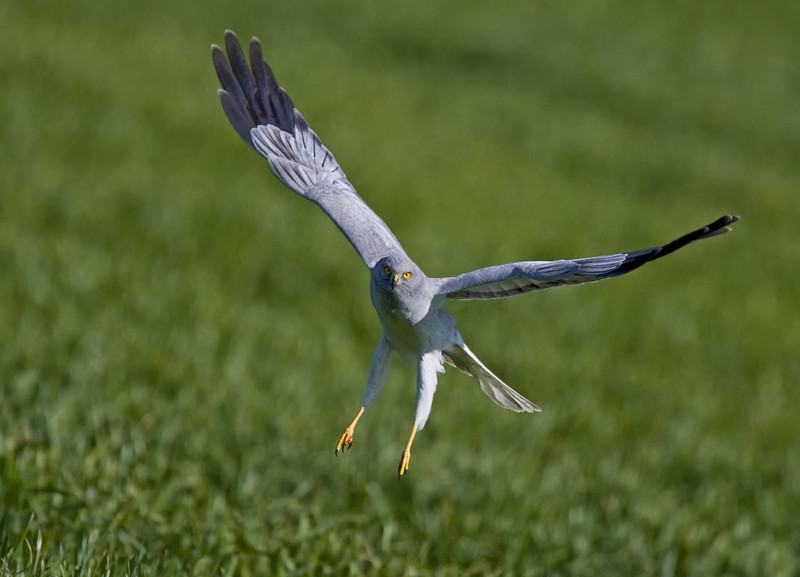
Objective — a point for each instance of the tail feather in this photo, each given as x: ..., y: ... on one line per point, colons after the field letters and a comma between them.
x: 465, y: 360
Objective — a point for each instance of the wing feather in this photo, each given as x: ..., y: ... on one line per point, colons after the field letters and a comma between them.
x: 264, y: 116
x: 517, y: 278
x: 461, y: 357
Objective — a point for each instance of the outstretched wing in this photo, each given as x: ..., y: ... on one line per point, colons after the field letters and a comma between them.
x: 265, y: 117
x: 517, y: 278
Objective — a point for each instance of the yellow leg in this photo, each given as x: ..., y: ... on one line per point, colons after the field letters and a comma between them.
x: 347, y: 438
x: 404, y: 460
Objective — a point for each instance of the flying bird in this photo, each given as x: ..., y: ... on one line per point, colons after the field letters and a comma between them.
x: 410, y: 304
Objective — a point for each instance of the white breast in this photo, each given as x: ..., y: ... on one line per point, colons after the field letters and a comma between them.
x: 436, y: 331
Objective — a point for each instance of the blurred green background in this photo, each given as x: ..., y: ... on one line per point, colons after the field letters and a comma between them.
x: 182, y: 340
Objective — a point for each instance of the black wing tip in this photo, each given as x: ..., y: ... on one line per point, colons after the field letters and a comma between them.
x: 724, y: 221
x: 637, y: 258
x: 720, y: 226
x: 716, y: 228
x: 231, y: 37
x: 253, y: 88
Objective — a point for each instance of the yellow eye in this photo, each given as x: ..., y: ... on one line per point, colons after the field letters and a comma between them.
x: 406, y: 275
x: 387, y: 270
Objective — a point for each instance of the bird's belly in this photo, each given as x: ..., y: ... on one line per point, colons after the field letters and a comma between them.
x: 403, y: 337
x: 434, y: 332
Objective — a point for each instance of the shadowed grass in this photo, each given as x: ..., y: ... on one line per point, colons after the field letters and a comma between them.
x: 183, y: 340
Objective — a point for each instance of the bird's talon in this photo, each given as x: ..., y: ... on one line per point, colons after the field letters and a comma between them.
x: 404, y: 462
x: 406, y: 457
x: 346, y: 440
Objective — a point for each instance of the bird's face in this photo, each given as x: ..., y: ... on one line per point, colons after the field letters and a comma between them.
x: 396, y: 275
x: 400, y: 289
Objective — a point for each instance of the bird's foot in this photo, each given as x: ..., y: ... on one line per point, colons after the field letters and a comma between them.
x: 406, y: 458
x: 404, y: 461
x: 346, y: 440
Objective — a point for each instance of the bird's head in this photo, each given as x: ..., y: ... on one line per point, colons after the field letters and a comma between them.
x: 396, y: 274
x: 400, y: 289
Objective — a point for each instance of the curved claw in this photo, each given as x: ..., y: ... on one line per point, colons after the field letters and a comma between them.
x: 346, y: 440
x: 405, y: 459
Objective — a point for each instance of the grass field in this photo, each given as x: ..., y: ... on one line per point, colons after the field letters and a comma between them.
x: 182, y: 340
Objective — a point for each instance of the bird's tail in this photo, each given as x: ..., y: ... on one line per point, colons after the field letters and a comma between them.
x: 465, y: 360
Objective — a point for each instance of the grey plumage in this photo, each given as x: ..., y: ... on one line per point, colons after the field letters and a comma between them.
x: 409, y: 303
x: 265, y: 118
x: 517, y: 278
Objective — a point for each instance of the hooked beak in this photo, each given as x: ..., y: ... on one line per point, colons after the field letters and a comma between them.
x: 395, y: 280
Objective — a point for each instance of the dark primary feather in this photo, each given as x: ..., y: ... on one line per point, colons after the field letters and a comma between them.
x: 253, y: 95
x: 264, y: 117
x: 521, y: 277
